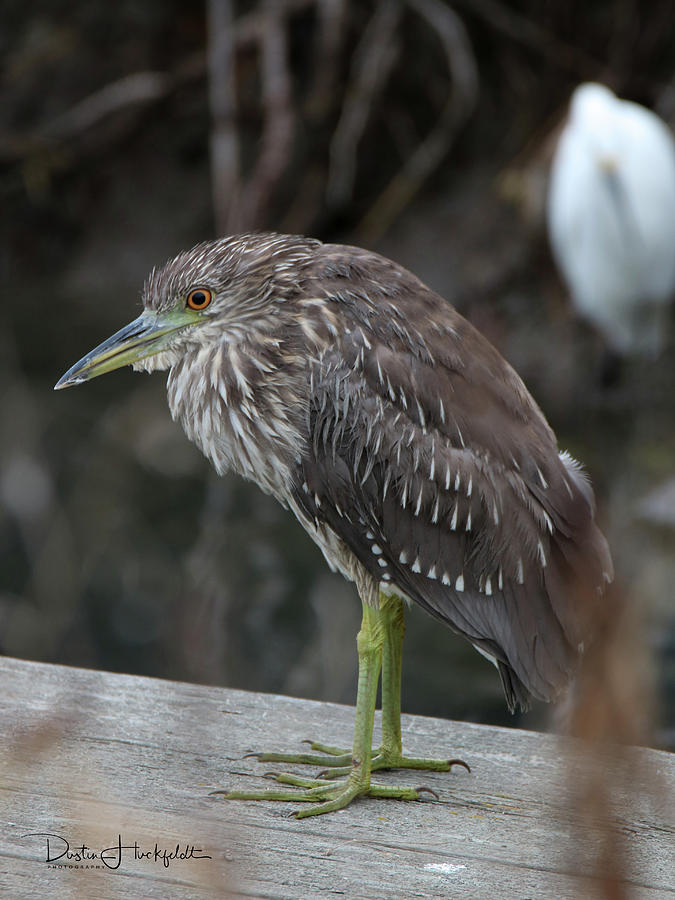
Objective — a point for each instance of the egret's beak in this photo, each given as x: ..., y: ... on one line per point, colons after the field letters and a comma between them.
x: 147, y: 335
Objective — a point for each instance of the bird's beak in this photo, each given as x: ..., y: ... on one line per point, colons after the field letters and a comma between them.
x: 147, y: 335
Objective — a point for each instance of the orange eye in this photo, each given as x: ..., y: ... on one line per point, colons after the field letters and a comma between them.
x: 198, y: 299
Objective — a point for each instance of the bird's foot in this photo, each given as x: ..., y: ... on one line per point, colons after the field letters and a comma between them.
x: 386, y: 758
x: 337, y: 761
x: 333, y: 756
x: 328, y: 797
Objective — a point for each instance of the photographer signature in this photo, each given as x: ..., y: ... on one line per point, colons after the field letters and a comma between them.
x: 59, y: 849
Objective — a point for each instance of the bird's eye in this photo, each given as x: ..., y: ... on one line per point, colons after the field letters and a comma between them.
x: 198, y: 299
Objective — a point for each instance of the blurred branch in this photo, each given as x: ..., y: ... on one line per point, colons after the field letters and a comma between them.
x: 277, y: 136
x: 611, y: 711
x: 132, y: 93
x: 223, y: 105
x: 373, y: 60
x: 134, y: 90
x: 103, y: 119
x: 431, y: 152
x: 331, y: 20
x: 524, y: 31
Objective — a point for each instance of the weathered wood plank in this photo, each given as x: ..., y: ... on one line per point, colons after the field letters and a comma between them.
x: 90, y: 755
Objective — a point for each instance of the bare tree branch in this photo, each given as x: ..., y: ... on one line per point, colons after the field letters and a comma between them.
x: 133, y: 91
x: 277, y: 137
x: 524, y: 31
x: 431, y: 152
x: 331, y: 20
x: 223, y: 104
x: 372, y: 62
x: 250, y: 29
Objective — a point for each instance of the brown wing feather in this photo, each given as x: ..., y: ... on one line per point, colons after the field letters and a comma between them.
x: 437, y: 469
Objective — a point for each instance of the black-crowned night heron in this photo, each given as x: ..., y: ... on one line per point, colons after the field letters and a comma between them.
x: 407, y: 447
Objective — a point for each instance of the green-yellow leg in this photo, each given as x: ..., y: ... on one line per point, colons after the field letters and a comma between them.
x: 393, y: 626
x: 389, y: 755
x: 336, y: 795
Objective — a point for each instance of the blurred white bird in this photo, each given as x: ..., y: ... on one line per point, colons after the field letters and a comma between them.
x: 611, y: 217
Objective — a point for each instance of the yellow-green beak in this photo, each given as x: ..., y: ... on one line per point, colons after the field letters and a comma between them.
x: 147, y: 335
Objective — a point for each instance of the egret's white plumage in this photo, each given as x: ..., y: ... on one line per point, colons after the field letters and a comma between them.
x: 611, y: 216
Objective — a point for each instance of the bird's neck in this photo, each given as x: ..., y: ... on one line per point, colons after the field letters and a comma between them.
x: 241, y: 404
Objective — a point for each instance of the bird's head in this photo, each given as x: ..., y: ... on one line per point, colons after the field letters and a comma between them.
x: 595, y: 116
x: 217, y: 290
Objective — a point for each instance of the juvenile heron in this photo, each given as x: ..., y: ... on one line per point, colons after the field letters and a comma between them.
x: 409, y: 450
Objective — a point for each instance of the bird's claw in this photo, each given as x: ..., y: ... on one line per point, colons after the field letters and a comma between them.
x: 423, y: 788
x: 459, y: 762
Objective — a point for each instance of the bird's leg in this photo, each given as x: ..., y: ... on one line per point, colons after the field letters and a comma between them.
x: 393, y: 623
x: 390, y: 754
x: 340, y: 757
x: 330, y: 796
x: 391, y: 608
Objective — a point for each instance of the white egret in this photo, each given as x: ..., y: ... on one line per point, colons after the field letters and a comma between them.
x: 611, y: 217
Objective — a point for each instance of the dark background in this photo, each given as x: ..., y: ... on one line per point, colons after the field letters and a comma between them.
x: 418, y: 129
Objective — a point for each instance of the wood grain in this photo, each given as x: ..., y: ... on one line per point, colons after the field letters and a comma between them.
x: 92, y: 755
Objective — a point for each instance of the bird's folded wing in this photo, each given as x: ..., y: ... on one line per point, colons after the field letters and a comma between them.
x: 444, y: 480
